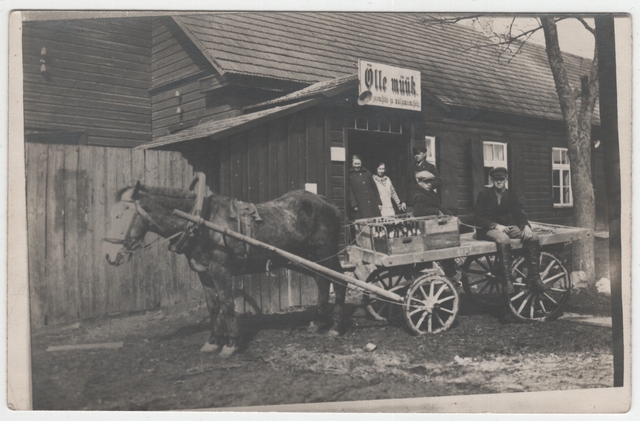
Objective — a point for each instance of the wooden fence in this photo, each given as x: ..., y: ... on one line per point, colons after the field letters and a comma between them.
x: 70, y: 190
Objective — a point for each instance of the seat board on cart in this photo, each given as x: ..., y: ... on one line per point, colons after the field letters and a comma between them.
x: 469, y: 246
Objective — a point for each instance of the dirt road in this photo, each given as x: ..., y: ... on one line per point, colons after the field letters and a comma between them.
x: 160, y: 366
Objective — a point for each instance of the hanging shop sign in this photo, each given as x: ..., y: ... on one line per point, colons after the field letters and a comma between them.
x: 389, y: 86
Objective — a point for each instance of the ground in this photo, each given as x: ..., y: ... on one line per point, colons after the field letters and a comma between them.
x: 160, y: 366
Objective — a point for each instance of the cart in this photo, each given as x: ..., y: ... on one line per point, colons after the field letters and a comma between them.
x: 417, y: 275
x: 404, y: 282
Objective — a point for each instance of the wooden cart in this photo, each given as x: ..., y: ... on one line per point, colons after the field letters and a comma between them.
x: 409, y: 285
x: 480, y: 277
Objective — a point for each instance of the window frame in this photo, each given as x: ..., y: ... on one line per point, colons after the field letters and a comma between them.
x: 499, y: 163
x: 561, y: 168
x: 430, y: 145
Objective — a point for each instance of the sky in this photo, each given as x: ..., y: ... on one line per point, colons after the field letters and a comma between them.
x: 572, y: 35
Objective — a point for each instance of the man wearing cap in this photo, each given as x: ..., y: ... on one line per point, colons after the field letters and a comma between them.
x: 426, y: 202
x: 499, y: 218
x: 421, y: 164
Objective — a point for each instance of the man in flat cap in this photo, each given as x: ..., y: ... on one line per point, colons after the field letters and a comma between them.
x: 499, y: 217
x: 426, y: 202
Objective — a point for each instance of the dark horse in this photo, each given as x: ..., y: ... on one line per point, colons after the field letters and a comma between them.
x: 300, y: 222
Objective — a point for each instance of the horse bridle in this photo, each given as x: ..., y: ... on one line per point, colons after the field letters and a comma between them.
x: 126, y: 247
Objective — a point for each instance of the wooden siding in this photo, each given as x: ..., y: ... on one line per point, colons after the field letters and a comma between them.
x: 70, y: 190
x: 263, y: 164
x: 177, y: 65
x: 529, y: 161
x: 97, y: 79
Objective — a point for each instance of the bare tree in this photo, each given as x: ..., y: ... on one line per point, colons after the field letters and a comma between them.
x: 577, y: 105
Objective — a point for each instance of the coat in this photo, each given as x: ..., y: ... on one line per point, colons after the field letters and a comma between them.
x: 422, y: 166
x: 488, y: 213
x: 387, y: 192
x: 363, y: 194
x: 426, y: 203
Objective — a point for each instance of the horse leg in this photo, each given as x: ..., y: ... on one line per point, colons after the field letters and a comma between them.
x: 320, y: 318
x: 226, y: 324
x: 211, y: 297
x: 338, y: 309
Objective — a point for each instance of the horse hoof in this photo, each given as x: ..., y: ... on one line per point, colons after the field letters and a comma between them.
x: 333, y: 333
x: 313, y: 328
x: 209, y: 347
x: 228, y: 351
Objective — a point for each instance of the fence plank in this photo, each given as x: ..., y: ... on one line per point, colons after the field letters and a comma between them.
x: 137, y: 261
x: 113, y: 274
x: 55, y: 233
x: 308, y: 291
x: 99, y: 290
x: 71, y: 230
x: 84, y: 190
x: 36, y: 224
x: 175, y: 276
x: 163, y: 262
x: 152, y: 292
x: 124, y: 282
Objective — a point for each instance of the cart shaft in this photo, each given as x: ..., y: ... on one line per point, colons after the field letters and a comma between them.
x: 290, y: 256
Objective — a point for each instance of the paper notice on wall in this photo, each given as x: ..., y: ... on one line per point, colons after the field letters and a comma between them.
x: 311, y: 187
x: 338, y: 154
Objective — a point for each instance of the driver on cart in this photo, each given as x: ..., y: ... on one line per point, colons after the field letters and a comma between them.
x: 426, y: 202
x: 499, y: 218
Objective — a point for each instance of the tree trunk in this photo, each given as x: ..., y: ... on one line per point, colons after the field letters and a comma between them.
x: 578, y: 126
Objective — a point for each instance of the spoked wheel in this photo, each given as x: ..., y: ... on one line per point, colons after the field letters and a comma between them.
x: 482, y: 280
x: 431, y: 304
x: 530, y: 304
x: 391, y: 279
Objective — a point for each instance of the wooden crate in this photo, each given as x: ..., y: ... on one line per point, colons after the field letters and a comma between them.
x: 417, y: 234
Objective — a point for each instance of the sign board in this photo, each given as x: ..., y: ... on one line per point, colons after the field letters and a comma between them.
x: 388, y: 86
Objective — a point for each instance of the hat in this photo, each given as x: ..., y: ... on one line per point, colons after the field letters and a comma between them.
x: 424, y: 176
x: 419, y: 149
x: 499, y: 173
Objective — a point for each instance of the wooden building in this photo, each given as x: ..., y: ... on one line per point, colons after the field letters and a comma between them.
x: 265, y: 103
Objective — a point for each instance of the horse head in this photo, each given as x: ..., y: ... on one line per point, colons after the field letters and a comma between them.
x: 128, y: 225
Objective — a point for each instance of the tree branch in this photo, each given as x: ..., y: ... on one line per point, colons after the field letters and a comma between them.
x: 586, y: 25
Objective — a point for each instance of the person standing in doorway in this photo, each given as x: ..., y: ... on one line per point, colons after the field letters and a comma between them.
x: 420, y: 163
x: 387, y: 192
x: 364, y: 199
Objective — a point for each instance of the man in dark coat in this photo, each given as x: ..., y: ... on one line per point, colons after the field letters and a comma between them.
x: 426, y: 202
x: 364, y: 199
x: 499, y: 218
x: 421, y: 164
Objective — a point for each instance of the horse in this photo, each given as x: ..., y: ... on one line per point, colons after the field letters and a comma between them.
x: 299, y: 222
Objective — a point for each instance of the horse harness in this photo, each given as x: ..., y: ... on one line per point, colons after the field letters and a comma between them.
x: 245, y: 214
x: 180, y: 245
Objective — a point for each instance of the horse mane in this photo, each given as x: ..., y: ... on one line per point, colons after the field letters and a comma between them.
x: 166, y: 192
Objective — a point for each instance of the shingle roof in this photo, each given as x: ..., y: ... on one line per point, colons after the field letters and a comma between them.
x: 222, y: 128
x: 458, y: 64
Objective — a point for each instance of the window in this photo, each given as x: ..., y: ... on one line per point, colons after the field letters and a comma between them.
x: 495, y: 155
x: 430, y: 144
x: 562, y: 195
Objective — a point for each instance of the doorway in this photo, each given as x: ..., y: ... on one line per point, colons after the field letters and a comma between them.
x: 392, y: 149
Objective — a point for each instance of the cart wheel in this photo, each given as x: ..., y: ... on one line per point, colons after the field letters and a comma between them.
x: 431, y: 304
x: 482, y: 281
x: 391, y: 279
x: 528, y: 304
